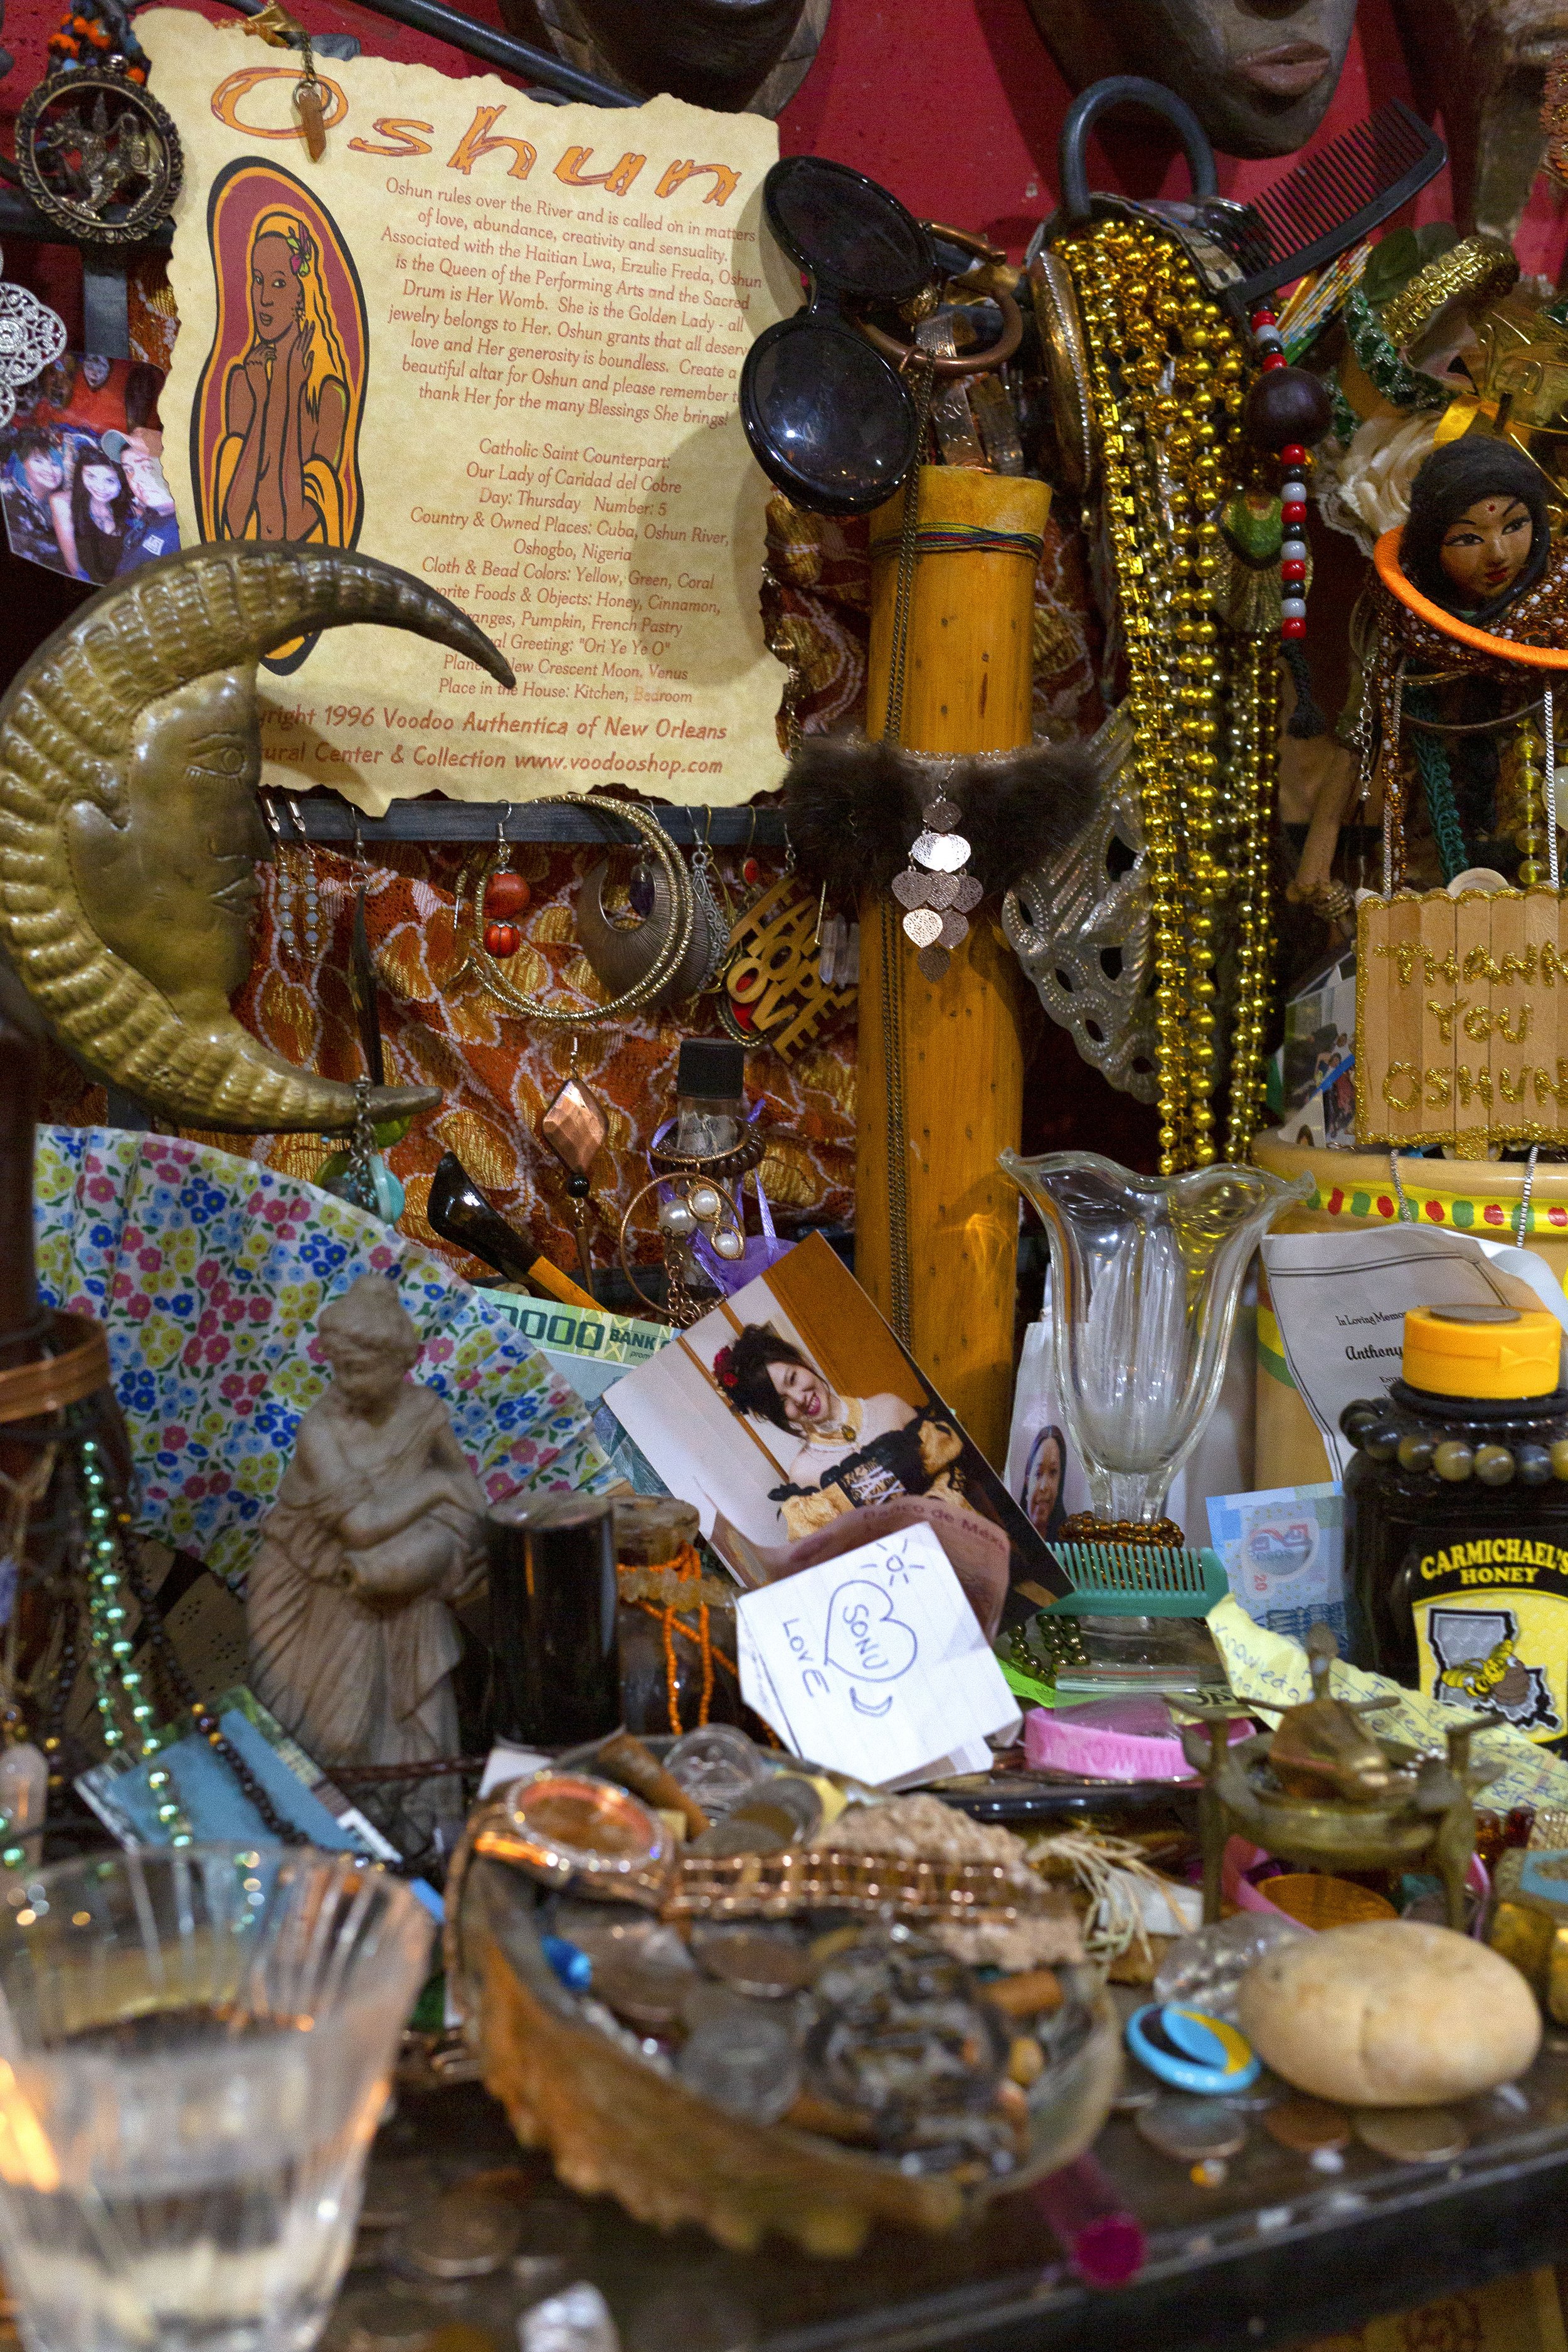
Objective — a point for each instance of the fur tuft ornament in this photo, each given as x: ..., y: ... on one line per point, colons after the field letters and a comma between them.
x: 854, y: 807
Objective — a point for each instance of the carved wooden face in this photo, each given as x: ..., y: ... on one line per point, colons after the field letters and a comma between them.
x: 1258, y: 74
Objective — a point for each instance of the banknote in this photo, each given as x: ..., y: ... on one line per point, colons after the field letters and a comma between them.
x: 1284, y: 1553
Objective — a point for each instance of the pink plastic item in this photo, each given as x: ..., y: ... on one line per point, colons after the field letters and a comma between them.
x: 1103, y: 2243
x: 1241, y: 1857
x: 1108, y: 1740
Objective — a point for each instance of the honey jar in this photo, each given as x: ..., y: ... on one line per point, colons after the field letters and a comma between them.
x: 1457, y: 1518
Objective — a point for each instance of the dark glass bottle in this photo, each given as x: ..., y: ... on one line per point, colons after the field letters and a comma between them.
x: 1456, y: 1518
x: 555, y: 1661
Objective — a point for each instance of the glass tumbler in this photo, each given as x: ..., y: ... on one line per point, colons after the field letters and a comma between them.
x: 195, y: 2053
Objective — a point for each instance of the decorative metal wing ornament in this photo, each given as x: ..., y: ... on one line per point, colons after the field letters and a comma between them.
x: 1078, y: 923
x: 31, y: 339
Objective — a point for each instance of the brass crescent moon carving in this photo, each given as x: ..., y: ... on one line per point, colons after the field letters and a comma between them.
x: 129, y: 753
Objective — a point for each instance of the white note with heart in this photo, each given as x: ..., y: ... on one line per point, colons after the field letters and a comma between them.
x: 875, y: 1664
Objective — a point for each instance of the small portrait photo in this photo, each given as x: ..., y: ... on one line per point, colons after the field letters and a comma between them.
x: 792, y: 1419
x: 1045, y: 1478
x: 81, y: 476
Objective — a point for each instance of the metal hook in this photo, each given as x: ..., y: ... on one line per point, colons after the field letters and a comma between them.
x: 502, y: 822
x: 359, y: 857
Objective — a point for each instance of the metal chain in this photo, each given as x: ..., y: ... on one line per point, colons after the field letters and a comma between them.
x: 1391, y: 758
x: 903, y: 599
x: 1549, y: 728
x: 1521, y: 1214
x: 898, y: 1142
x: 891, y: 935
x: 1406, y: 1213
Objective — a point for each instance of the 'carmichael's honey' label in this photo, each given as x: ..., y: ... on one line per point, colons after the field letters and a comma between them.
x: 1491, y: 1629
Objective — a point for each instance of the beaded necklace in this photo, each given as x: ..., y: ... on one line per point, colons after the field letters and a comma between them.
x: 1166, y: 375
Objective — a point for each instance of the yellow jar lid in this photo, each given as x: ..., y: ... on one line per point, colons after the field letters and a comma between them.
x: 1482, y: 1351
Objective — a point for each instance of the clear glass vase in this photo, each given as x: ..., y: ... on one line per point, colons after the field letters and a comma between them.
x: 196, y: 2047
x: 1145, y: 1275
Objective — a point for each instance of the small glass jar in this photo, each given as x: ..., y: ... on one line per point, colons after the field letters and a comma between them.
x: 1457, y: 1518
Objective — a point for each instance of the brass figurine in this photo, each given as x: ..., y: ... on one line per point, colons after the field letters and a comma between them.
x: 130, y: 833
x: 1320, y: 1792
x: 1319, y: 1749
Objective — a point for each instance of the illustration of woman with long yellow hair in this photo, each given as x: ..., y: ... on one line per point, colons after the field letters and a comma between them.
x: 280, y: 465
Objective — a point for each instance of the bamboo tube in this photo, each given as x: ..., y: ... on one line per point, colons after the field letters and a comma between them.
x: 969, y: 671
x: 968, y: 678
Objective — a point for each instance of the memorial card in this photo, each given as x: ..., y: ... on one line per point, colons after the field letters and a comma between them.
x: 496, y: 343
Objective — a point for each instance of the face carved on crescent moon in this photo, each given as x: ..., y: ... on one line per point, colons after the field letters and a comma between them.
x: 169, y: 881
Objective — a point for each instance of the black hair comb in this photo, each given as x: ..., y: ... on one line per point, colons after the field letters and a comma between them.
x: 1245, y: 251
x: 1329, y: 202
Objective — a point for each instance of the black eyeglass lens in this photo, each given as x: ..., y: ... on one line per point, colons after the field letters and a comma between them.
x: 842, y: 228
x: 834, y: 416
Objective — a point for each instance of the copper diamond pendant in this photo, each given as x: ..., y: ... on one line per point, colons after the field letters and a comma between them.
x: 575, y: 1126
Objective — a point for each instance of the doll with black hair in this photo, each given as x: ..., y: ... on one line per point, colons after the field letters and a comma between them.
x: 1478, y: 548
x: 851, y: 1451
x: 1478, y: 535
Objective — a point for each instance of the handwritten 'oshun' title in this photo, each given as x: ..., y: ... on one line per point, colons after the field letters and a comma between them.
x: 401, y: 136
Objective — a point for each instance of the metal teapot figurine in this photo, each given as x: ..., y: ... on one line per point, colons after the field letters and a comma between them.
x: 1325, y: 1792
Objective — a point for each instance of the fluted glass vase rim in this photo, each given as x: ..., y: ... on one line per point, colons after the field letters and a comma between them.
x: 1131, y: 1183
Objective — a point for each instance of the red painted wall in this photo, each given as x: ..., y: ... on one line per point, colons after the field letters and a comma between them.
x: 955, y: 104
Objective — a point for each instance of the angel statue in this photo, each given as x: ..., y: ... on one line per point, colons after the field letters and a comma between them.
x: 373, y: 1539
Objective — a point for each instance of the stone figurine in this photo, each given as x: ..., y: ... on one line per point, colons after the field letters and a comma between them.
x: 373, y: 1540
x: 1259, y: 77
x: 129, y: 832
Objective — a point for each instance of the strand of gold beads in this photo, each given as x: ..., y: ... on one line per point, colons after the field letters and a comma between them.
x: 1531, y: 838
x: 1100, y: 263
x: 1166, y: 376
x: 1254, y: 758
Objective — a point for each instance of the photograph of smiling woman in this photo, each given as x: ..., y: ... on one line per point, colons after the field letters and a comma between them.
x: 790, y: 1414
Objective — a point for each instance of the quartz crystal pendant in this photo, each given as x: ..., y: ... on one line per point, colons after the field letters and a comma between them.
x: 575, y: 1126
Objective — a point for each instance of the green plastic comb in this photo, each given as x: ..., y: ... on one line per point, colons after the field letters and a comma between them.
x: 1112, y: 1579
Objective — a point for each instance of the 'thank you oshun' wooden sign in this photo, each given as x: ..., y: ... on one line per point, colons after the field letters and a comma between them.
x: 1462, y: 1020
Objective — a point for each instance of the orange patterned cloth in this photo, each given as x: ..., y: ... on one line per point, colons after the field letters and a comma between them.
x: 497, y: 1073
x: 441, y: 1027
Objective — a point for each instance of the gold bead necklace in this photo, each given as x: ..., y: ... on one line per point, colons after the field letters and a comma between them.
x: 1166, y: 378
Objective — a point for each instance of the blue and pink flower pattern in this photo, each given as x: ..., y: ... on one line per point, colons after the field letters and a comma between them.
x: 209, y: 1272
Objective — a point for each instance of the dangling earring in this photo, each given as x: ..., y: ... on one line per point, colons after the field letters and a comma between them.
x: 506, y: 897
x: 312, y: 898
x: 575, y: 1127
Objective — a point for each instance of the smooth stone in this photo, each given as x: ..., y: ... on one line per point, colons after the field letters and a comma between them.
x: 1389, y: 2014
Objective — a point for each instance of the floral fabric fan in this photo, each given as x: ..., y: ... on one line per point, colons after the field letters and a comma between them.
x: 210, y: 1274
